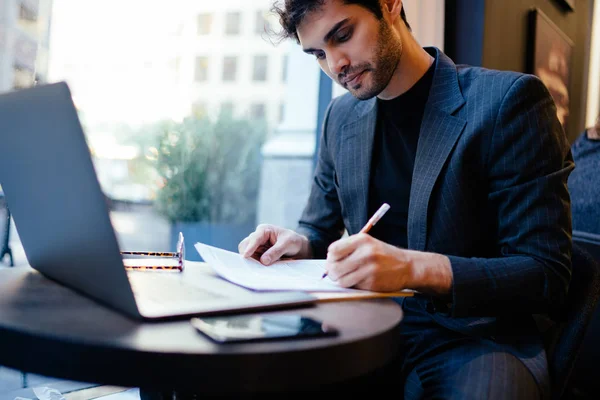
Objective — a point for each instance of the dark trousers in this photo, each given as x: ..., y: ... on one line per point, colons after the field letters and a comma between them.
x: 433, y: 363
x: 437, y: 363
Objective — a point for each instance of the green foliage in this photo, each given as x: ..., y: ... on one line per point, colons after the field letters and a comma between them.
x: 210, y: 170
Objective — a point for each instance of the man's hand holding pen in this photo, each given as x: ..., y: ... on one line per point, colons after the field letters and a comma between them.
x: 363, y: 262
x: 371, y: 222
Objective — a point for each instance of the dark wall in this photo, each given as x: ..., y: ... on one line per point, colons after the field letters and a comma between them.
x: 500, y: 42
x: 464, y: 31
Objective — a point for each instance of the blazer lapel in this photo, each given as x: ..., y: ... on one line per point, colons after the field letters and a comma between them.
x: 355, y: 163
x: 439, y: 132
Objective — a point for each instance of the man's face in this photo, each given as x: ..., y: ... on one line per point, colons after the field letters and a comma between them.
x: 352, y: 46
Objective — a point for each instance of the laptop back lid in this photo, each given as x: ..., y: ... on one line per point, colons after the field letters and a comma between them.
x: 51, y: 187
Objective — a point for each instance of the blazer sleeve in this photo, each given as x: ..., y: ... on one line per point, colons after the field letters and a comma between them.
x: 321, y: 221
x: 528, y: 163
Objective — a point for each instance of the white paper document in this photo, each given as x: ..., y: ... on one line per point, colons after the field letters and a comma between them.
x: 304, y: 275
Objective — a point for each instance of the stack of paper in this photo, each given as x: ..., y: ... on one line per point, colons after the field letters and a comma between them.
x: 282, y: 275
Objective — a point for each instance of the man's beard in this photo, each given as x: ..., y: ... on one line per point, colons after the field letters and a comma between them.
x: 387, y: 58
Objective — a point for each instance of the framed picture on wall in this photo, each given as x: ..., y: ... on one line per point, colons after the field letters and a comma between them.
x: 549, y: 56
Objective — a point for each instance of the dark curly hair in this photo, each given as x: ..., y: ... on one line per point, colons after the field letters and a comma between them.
x: 292, y: 12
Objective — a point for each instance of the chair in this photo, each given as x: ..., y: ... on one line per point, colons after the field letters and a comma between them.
x: 564, y: 338
x: 589, y: 241
x: 584, y: 381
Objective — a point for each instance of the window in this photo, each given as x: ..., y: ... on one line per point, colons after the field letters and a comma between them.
x: 27, y: 19
x: 259, y: 72
x: 175, y: 65
x: 229, y: 68
x: 176, y: 29
x: 149, y: 146
x: 257, y: 111
x: 284, y: 69
x: 201, y: 71
x: 227, y: 108
x: 261, y: 25
x: 204, y: 23
x: 232, y: 23
x: 199, y: 109
x: 27, y: 14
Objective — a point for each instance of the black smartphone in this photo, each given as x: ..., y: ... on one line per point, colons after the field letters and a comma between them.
x: 246, y: 328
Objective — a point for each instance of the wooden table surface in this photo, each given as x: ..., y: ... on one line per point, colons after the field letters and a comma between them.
x: 49, y: 329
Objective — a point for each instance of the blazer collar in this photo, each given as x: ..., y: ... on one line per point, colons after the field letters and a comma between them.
x: 445, y: 94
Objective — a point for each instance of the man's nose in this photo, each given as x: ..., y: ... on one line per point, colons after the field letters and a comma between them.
x: 337, y: 62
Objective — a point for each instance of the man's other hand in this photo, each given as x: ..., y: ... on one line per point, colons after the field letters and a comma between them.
x: 269, y: 243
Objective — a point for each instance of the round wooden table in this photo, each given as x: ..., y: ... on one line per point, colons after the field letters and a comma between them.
x: 48, y: 329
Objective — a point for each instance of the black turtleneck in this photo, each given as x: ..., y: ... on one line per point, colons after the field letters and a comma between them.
x: 394, y: 151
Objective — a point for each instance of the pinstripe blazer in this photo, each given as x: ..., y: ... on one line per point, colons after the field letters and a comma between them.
x: 489, y: 190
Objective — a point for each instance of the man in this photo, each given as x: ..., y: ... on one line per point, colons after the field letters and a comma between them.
x: 584, y: 182
x: 474, y: 164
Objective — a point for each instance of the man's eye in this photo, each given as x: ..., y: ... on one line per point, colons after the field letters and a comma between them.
x: 320, y: 55
x: 344, y: 36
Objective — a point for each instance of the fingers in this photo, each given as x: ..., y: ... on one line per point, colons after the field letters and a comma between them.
x: 260, y: 251
x: 268, y: 244
x: 273, y: 254
x: 243, y: 244
x: 349, y: 260
x: 342, y: 248
x: 261, y: 237
x: 358, y: 278
x: 337, y: 269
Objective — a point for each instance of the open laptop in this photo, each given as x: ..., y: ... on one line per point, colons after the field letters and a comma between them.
x: 62, y: 217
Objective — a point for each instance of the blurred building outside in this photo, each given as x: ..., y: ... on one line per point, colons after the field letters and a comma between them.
x: 24, y: 41
x: 24, y: 47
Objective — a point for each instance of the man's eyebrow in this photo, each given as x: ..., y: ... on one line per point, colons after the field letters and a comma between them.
x: 329, y: 34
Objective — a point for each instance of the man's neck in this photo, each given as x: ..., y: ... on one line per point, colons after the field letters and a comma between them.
x: 413, y: 64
